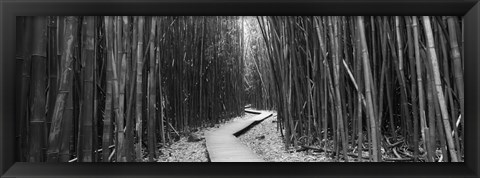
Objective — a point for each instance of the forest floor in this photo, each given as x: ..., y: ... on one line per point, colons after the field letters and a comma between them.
x: 193, y: 151
x: 264, y: 140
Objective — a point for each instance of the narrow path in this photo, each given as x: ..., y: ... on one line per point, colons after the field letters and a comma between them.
x: 223, y: 145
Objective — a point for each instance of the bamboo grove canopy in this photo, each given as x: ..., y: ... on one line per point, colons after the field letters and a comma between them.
x: 117, y: 88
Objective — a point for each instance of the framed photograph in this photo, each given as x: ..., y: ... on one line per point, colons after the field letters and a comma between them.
x: 266, y: 88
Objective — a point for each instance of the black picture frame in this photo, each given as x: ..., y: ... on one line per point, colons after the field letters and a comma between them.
x: 9, y: 9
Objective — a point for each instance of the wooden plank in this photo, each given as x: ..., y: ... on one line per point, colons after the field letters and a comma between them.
x: 223, y: 146
x: 253, y: 111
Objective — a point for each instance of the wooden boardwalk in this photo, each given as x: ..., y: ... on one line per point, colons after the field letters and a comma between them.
x: 223, y: 145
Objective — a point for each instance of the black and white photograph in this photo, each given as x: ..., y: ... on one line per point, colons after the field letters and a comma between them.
x: 239, y: 89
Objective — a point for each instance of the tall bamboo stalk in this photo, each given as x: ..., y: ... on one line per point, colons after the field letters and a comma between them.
x: 457, y: 63
x: 52, y: 68
x: 411, y: 58
x: 24, y: 58
x: 423, y: 126
x: 39, y: 64
x: 63, y: 92
x: 160, y: 101
x: 151, y: 97
x: 139, y: 91
x: 119, y: 69
x: 107, y: 122
x: 129, y: 33
x: 88, y: 58
x: 438, y: 85
x: 368, y: 94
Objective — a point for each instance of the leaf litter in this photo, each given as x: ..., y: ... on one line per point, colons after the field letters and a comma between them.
x: 185, y: 151
x: 266, y: 141
x: 263, y: 139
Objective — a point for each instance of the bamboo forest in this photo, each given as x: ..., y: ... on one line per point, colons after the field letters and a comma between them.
x: 239, y: 88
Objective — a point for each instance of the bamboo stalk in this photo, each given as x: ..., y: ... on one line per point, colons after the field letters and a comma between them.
x: 24, y: 50
x: 152, y: 97
x: 39, y: 63
x: 421, y: 101
x: 65, y: 84
x: 438, y: 85
x: 457, y: 63
x: 107, y: 122
x: 119, y: 72
x: 88, y: 56
x: 160, y: 94
x: 52, y: 68
x: 139, y: 89
x: 411, y: 57
x: 130, y: 45
x: 367, y: 89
